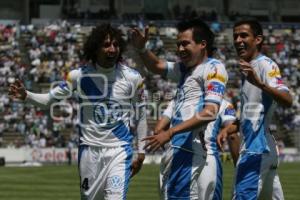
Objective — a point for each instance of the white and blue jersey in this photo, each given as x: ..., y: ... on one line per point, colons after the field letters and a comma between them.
x: 185, y: 157
x: 257, y: 106
x: 197, y: 86
x: 210, y: 179
x: 108, y: 100
x: 210, y: 184
x: 225, y: 115
x: 256, y: 176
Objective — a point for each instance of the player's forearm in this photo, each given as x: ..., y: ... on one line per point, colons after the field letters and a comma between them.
x: 141, y: 129
x: 282, y: 97
x: 232, y: 129
x: 207, y: 115
x: 152, y: 62
x: 41, y: 100
x: 162, y: 124
x: 234, y: 146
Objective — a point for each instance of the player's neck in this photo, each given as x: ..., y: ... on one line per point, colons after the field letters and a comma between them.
x: 105, y: 69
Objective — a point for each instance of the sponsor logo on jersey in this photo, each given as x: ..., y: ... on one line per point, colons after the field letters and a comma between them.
x: 216, y: 88
x: 215, y: 75
x: 274, y: 72
x: 279, y: 81
x: 230, y: 110
x: 115, y: 182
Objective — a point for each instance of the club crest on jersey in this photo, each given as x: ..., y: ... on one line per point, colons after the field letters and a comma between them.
x: 107, y: 113
x: 216, y: 88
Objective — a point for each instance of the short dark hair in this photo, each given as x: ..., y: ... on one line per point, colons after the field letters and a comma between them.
x: 96, y: 38
x: 255, y: 27
x: 201, y: 31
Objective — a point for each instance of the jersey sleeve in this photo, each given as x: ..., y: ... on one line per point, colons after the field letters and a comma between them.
x: 168, y: 112
x: 140, y: 114
x: 58, y: 91
x: 272, y: 76
x: 215, y: 79
x: 228, y: 114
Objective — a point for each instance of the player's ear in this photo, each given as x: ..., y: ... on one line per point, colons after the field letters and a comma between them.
x: 259, y: 39
x: 203, y: 44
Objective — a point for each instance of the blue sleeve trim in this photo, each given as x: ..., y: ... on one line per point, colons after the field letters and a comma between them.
x: 213, y: 101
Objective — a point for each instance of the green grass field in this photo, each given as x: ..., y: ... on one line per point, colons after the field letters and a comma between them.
x: 62, y: 182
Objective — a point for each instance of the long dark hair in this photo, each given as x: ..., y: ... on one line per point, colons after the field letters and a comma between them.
x: 96, y: 38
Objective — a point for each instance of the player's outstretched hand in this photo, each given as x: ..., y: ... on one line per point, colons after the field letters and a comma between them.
x: 17, y: 90
x: 248, y: 71
x: 137, y: 164
x: 154, y: 142
x: 139, y: 39
x: 221, y: 138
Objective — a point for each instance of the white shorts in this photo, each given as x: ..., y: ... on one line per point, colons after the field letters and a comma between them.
x: 104, y: 172
x: 179, y: 173
x: 210, y: 180
x: 256, y: 177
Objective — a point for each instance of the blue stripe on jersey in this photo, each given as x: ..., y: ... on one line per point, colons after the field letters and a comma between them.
x: 219, y: 182
x: 86, y: 69
x: 183, y: 71
x: 80, y: 119
x: 215, y: 62
x: 259, y: 57
x: 256, y: 140
x: 182, y: 139
x: 200, y: 105
x: 81, y: 148
x: 122, y: 132
x: 248, y: 172
x: 90, y: 89
x: 214, y: 134
x: 180, y: 175
x: 63, y: 85
x: 128, y: 161
x: 213, y: 101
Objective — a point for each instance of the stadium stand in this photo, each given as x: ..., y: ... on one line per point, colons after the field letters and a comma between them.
x: 44, y: 54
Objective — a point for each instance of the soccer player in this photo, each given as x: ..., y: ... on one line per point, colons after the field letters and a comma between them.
x: 210, y: 184
x: 201, y: 86
x: 108, y: 92
x: 262, y: 87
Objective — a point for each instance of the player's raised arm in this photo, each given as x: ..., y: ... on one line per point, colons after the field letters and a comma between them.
x: 151, y: 61
x: 44, y: 101
x: 17, y: 90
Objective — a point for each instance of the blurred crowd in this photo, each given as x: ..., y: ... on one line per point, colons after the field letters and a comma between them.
x: 41, y: 55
